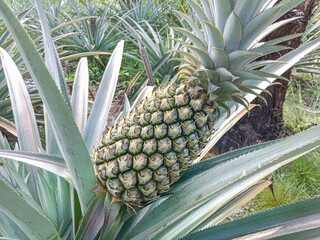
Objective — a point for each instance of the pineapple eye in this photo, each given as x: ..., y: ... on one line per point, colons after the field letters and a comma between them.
x: 155, y: 161
x: 150, y: 146
x: 160, y: 131
x: 171, y: 116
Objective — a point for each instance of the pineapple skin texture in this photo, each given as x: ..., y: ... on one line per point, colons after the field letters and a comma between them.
x: 145, y: 153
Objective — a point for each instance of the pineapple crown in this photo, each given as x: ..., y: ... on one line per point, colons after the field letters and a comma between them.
x: 221, y: 50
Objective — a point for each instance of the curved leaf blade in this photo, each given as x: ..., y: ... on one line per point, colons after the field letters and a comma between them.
x: 79, y: 98
x: 28, y: 134
x: 229, y: 181
x: 50, y: 163
x: 70, y: 142
x: 100, y: 110
x: 292, y: 218
x: 29, y: 220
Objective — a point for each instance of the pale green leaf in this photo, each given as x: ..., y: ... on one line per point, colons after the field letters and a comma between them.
x: 265, y: 49
x: 245, y: 9
x: 282, y: 39
x: 63, y: 203
x: 29, y: 220
x: 207, y: 10
x: 51, y: 55
x: 219, y: 57
x: 239, y: 59
x: 192, y: 24
x: 193, y: 38
x: 50, y: 163
x: 47, y: 199
x: 213, y: 36
x: 222, y: 10
x: 285, y: 222
x: 70, y: 142
x: 204, y: 57
x: 233, y: 205
x: 9, y: 126
x: 79, y: 98
x: 81, y: 55
x: 99, y: 114
x: 28, y: 134
x: 9, y: 229
x: 198, y: 12
x: 180, y: 228
x: 92, y: 220
x: 229, y: 182
x: 269, y: 30
x: 257, y: 25
x: 233, y: 32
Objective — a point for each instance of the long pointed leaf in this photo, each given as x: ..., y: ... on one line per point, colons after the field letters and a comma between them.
x: 225, y: 181
x: 69, y: 138
x: 99, y: 114
x: 92, y: 220
x: 79, y: 98
x: 28, y: 134
x: 52, y: 164
x: 30, y: 221
x: 51, y: 55
x: 292, y: 218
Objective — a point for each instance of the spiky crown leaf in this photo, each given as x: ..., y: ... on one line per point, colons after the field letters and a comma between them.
x: 223, y: 45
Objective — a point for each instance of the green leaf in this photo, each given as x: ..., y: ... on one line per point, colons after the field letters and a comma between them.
x: 204, y: 58
x: 239, y: 59
x: 92, y: 220
x: 47, y: 199
x: 51, y: 55
x: 63, y: 200
x: 245, y: 9
x: 233, y: 32
x: 99, y: 114
x: 277, y: 222
x: 231, y: 179
x: 213, y: 36
x: 9, y: 229
x: 222, y: 10
x: 192, y: 24
x: 257, y: 25
x: 70, y: 142
x: 265, y: 49
x: 79, y: 98
x: 29, y: 220
x: 50, y: 163
x: 9, y: 126
x: 233, y: 205
x: 28, y: 134
x: 193, y: 38
x: 219, y: 57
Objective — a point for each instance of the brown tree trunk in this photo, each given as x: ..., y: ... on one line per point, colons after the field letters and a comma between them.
x: 265, y: 123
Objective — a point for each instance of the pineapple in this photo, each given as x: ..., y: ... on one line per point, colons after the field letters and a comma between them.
x: 142, y: 155
x: 146, y: 152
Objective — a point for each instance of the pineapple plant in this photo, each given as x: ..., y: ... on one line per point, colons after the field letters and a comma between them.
x: 64, y: 203
x: 143, y: 154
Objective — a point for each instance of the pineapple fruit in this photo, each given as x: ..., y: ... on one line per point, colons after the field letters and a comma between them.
x: 142, y: 155
x: 145, y: 152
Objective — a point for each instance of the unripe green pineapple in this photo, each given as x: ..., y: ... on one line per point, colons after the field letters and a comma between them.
x: 145, y: 153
